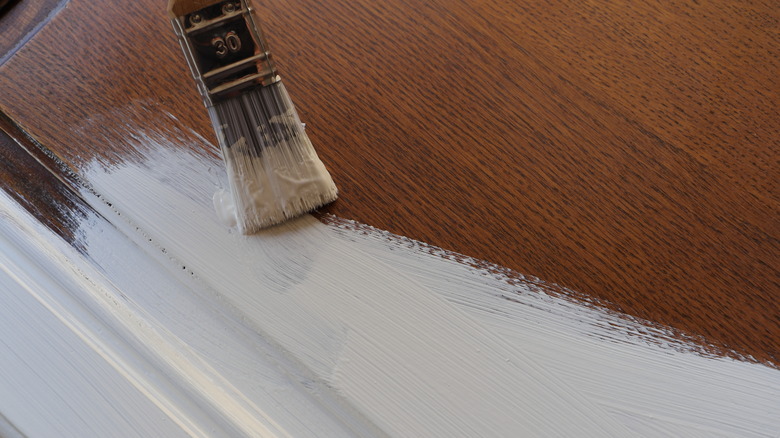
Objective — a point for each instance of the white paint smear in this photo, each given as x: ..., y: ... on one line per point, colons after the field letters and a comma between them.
x: 273, y: 171
x: 309, y: 329
x: 116, y: 344
x: 407, y: 359
x: 276, y: 185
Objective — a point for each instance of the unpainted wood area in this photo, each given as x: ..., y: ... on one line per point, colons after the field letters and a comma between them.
x: 37, y: 186
x: 19, y: 19
x: 626, y: 151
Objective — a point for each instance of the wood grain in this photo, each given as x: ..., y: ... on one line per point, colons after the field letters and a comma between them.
x: 626, y: 151
x: 38, y: 185
x: 19, y: 19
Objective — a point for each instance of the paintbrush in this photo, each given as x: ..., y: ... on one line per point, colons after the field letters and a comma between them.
x: 273, y: 170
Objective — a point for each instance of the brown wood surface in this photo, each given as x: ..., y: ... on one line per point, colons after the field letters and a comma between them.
x: 625, y: 150
x: 30, y: 181
x: 19, y: 20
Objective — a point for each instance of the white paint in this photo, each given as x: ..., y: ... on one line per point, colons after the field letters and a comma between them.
x: 649, y: 379
x: 117, y: 345
x: 53, y: 378
x: 280, y: 177
x: 307, y: 329
x: 272, y: 187
x: 409, y: 361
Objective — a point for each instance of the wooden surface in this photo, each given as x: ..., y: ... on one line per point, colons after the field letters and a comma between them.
x: 626, y: 151
x: 19, y: 21
x: 30, y: 182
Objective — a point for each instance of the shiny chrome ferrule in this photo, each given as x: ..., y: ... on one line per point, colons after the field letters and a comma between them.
x: 225, y: 49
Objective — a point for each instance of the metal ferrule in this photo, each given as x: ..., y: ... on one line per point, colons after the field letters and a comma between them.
x: 225, y: 50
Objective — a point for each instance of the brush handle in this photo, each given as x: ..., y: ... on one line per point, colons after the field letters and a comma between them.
x: 224, y: 47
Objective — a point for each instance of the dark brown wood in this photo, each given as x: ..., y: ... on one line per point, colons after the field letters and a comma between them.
x: 19, y: 20
x: 627, y: 151
x: 177, y: 8
x: 39, y: 184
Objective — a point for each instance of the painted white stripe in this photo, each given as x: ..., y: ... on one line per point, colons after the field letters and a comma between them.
x: 647, y: 377
x: 325, y: 330
x: 412, y: 363
x: 138, y: 351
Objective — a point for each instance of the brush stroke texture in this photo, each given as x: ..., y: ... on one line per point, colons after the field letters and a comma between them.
x: 139, y: 327
x: 654, y: 382
x: 411, y: 362
x: 311, y: 329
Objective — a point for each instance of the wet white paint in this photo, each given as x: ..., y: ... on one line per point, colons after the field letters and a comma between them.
x: 269, y: 188
x: 54, y: 376
x: 313, y: 329
x: 114, y: 343
x: 409, y: 361
x: 645, y: 376
x: 273, y: 171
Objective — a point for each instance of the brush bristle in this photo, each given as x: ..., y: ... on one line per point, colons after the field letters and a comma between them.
x: 273, y: 170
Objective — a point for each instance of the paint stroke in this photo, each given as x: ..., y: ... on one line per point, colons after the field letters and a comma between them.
x: 426, y: 345
x: 114, y: 344
x: 409, y: 361
x: 654, y: 382
x: 309, y: 329
x: 53, y: 379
